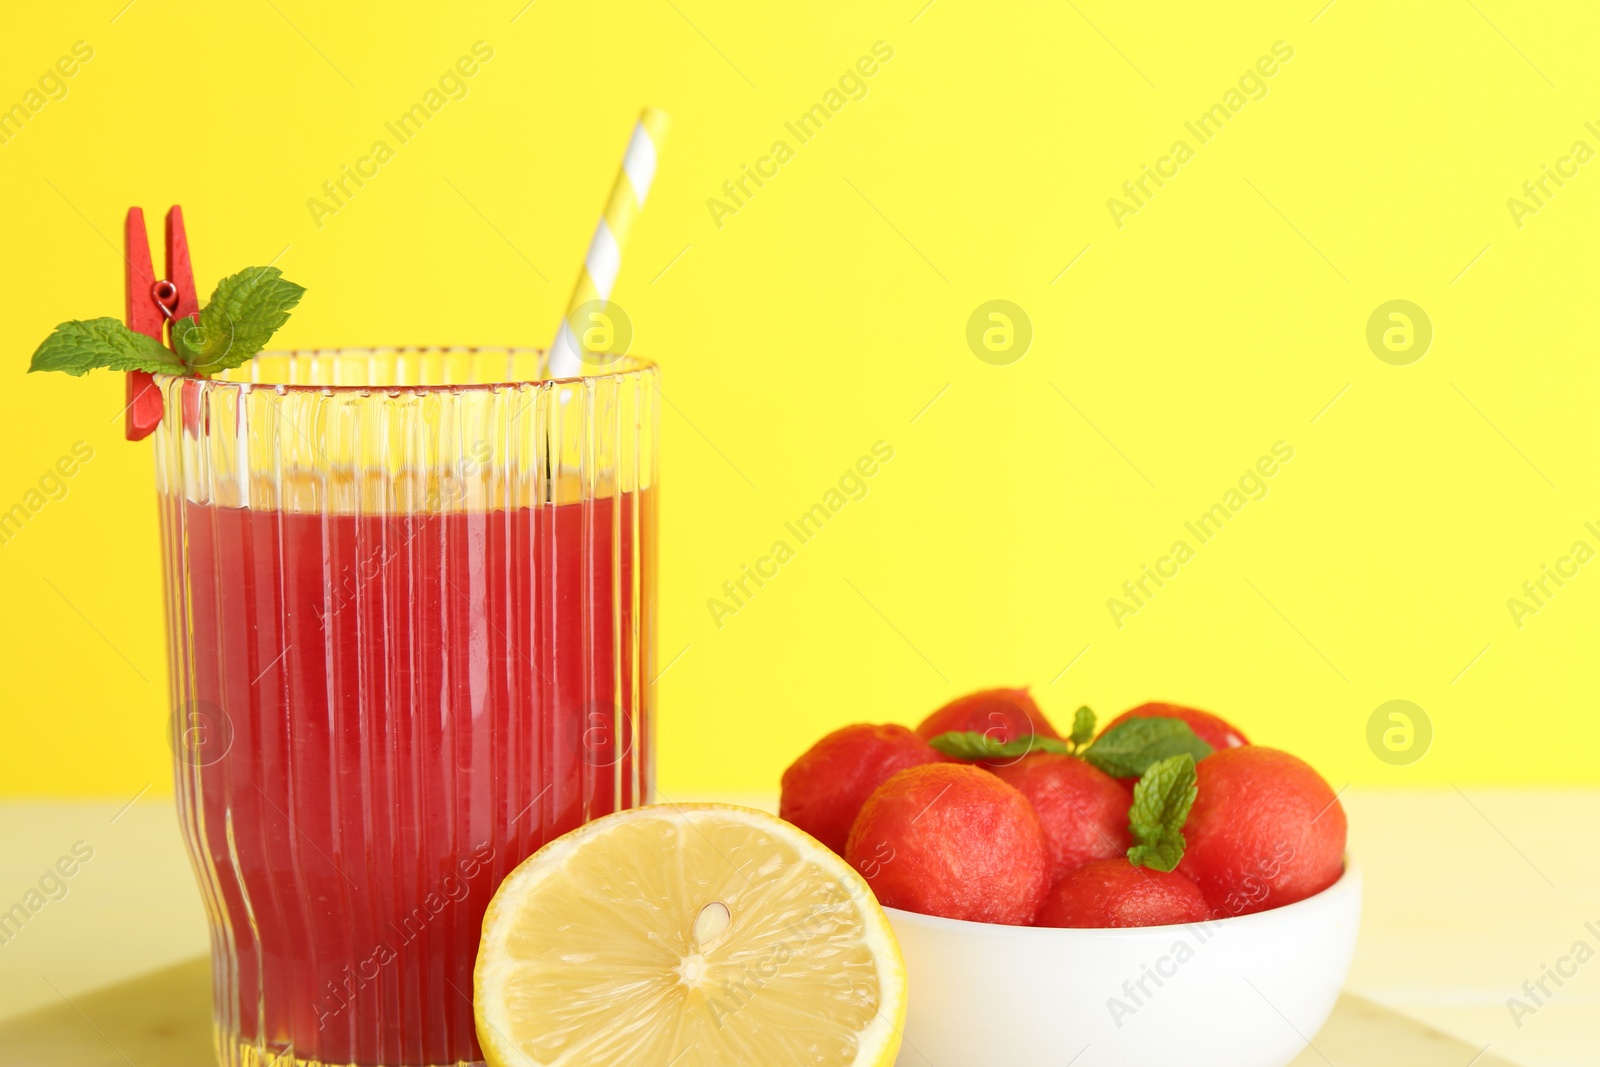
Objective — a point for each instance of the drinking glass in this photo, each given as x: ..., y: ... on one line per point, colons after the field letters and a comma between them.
x: 411, y: 611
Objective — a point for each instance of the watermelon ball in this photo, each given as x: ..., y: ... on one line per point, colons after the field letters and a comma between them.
x: 1001, y: 714
x: 1265, y: 830
x: 951, y: 839
x: 1114, y: 892
x: 825, y: 788
x: 1083, y: 810
x: 1212, y: 729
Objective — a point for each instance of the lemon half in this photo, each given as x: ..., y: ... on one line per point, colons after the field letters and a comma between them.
x: 687, y: 936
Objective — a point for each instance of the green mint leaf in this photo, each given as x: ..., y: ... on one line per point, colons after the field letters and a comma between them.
x: 1128, y: 749
x: 200, y: 351
x: 970, y: 744
x: 245, y: 311
x: 80, y: 346
x: 1082, y: 727
x: 1161, y: 803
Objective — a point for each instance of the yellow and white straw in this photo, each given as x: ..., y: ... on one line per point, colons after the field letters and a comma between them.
x: 599, y: 273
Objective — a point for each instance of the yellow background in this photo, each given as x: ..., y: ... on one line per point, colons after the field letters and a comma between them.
x: 832, y: 308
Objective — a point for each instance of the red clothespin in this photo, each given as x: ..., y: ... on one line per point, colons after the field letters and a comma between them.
x: 152, y: 303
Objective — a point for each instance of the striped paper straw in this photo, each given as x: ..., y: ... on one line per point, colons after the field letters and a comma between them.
x: 605, y: 251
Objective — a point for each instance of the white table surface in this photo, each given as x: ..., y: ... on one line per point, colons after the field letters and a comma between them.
x: 1469, y: 895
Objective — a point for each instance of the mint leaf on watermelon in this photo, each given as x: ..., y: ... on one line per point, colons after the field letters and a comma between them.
x: 1082, y: 727
x: 971, y: 745
x: 1128, y: 749
x: 1161, y: 803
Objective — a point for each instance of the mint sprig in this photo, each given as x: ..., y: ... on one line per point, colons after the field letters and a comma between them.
x: 1129, y: 749
x: 245, y: 310
x: 79, y: 346
x: 972, y: 745
x: 1161, y: 803
x: 1082, y: 727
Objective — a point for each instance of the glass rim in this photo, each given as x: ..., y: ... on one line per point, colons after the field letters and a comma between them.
x: 620, y: 368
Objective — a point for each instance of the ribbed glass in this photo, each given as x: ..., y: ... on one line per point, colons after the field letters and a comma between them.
x: 411, y: 612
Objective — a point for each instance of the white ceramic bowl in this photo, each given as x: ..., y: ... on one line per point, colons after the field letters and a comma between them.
x: 1247, y: 991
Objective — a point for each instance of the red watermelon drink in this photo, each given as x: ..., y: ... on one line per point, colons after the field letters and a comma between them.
x: 412, y: 640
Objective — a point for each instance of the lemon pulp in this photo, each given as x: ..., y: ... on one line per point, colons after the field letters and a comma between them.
x: 687, y: 936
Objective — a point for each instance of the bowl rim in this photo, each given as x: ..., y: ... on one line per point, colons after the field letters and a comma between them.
x: 1349, y: 882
